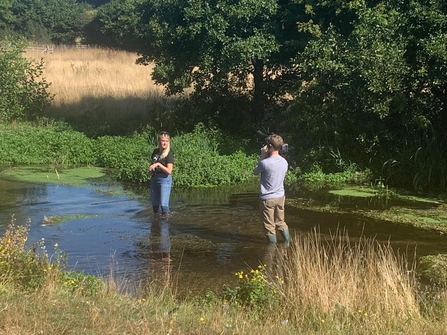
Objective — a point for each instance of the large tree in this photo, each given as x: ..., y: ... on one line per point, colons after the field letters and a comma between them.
x: 237, y: 48
x: 374, y: 88
x: 115, y: 25
x: 367, y: 78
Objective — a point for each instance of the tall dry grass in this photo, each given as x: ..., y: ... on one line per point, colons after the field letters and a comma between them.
x: 101, y: 86
x: 77, y: 73
x: 339, y: 285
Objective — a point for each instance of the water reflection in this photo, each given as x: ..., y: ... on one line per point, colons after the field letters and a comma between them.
x: 211, y: 234
x: 274, y: 260
x: 154, y: 250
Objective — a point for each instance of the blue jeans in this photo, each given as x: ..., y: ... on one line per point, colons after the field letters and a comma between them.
x: 161, y: 185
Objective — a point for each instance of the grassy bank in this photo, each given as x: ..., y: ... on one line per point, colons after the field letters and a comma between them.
x: 313, y: 287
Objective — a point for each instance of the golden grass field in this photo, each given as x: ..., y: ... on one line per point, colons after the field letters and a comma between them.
x: 99, y: 84
x: 76, y: 73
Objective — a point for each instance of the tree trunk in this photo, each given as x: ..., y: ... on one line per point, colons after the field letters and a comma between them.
x: 258, y: 93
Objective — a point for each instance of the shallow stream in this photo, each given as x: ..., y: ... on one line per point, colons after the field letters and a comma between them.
x: 212, y: 233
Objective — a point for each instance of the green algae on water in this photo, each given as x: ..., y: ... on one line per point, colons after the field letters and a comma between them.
x: 79, y: 176
x: 355, y: 192
x: 58, y: 219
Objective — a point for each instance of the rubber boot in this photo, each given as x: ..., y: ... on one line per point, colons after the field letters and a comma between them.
x: 286, y: 236
x: 271, y: 239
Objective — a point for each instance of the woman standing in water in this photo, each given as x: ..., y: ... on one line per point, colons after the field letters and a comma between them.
x: 161, y: 168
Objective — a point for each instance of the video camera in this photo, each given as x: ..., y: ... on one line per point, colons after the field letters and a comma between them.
x: 265, y: 141
x: 155, y: 159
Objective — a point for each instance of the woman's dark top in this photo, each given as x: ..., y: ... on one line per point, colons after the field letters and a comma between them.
x: 155, y: 157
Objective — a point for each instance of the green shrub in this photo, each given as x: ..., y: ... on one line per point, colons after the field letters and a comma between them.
x: 254, y: 290
x: 129, y: 155
x: 317, y: 179
x: 198, y: 162
x: 197, y: 159
x: 24, y: 92
x: 20, y: 266
x: 25, y: 144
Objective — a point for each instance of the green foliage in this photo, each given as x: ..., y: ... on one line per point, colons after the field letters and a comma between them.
x: 6, y: 15
x: 212, y: 47
x: 364, y: 83
x: 80, y: 283
x: 114, y: 25
x: 353, y: 90
x: 129, y: 155
x: 197, y: 158
x: 370, y: 82
x: 26, y: 268
x: 198, y: 162
x: 422, y: 164
x: 58, y: 21
x: 254, y: 290
x: 24, y: 144
x: 24, y: 92
x: 316, y: 179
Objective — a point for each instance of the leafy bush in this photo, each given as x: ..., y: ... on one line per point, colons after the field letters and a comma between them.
x: 22, y: 267
x: 129, y: 155
x: 25, y: 144
x: 197, y: 159
x: 198, y: 162
x: 24, y: 91
x: 254, y: 290
x: 317, y: 179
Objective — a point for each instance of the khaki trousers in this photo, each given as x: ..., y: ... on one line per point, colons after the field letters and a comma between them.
x: 272, y: 214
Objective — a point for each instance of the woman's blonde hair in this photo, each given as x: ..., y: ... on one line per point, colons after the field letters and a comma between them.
x: 165, y: 151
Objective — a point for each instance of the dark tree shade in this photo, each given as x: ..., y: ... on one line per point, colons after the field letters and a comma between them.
x: 96, y: 3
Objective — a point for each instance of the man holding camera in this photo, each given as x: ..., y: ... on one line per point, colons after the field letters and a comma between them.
x: 272, y: 167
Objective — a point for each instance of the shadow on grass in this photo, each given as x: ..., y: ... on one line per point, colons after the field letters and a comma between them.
x: 110, y: 115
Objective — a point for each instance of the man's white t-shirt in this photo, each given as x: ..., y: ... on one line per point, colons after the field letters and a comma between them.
x: 273, y: 171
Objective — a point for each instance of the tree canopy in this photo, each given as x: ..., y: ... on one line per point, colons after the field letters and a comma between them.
x: 364, y: 80
x: 241, y: 49
x: 56, y: 21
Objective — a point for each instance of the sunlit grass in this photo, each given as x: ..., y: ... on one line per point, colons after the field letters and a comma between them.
x: 102, y: 91
x: 77, y: 73
x: 338, y: 284
x: 316, y: 286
